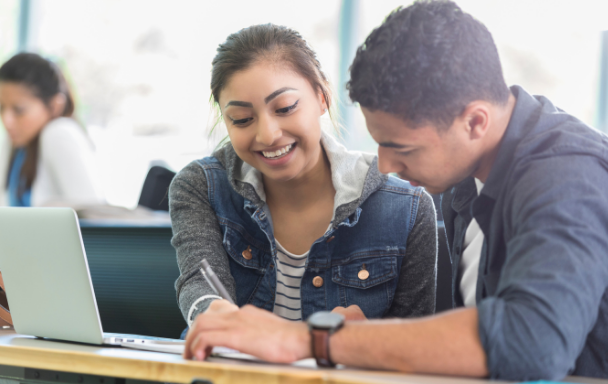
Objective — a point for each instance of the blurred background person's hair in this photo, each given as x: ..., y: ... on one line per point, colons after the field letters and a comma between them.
x: 48, y: 157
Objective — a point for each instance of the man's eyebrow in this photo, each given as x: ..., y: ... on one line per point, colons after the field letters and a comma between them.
x: 390, y: 144
x: 276, y: 93
x: 239, y: 104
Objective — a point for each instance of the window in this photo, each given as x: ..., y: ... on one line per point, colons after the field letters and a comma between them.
x: 141, y: 69
x: 141, y: 72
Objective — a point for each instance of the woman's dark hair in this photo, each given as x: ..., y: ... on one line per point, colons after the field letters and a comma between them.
x: 266, y: 42
x: 45, y: 80
x: 426, y: 63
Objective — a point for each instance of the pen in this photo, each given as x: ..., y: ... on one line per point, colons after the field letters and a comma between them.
x: 214, y: 282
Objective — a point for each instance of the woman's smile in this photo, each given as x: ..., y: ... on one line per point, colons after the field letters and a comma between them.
x: 279, y: 156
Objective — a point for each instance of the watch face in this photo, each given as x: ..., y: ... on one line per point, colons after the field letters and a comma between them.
x: 325, y: 320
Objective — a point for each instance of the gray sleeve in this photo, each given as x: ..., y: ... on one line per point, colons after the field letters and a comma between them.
x: 415, y: 295
x: 196, y: 236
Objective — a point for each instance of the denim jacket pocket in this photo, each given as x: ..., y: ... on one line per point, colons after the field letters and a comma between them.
x: 367, y: 282
x: 247, y: 266
x: 245, y: 252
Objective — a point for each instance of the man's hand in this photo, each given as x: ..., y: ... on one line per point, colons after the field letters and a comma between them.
x: 249, y: 330
x: 350, y: 313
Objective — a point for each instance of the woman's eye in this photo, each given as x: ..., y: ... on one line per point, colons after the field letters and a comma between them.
x: 287, y: 109
x: 241, y: 121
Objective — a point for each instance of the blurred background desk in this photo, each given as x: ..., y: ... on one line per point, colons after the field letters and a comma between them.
x: 133, y: 268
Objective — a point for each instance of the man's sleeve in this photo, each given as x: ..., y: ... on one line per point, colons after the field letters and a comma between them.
x: 555, y: 273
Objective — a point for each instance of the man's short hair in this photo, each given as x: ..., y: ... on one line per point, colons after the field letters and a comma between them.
x: 426, y: 63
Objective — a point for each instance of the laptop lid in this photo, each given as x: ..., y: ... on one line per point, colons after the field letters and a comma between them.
x: 46, y: 275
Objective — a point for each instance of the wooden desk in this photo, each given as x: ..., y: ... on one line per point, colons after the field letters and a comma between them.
x: 27, y: 360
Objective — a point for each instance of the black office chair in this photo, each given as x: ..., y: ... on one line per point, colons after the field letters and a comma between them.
x: 155, y: 192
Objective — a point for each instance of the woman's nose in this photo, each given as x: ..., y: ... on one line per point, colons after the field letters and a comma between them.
x: 269, y: 131
x: 7, y: 120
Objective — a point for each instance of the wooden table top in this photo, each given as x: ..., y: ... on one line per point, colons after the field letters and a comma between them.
x: 29, y: 352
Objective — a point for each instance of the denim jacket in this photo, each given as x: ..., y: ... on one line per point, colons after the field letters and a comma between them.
x: 218, y: 212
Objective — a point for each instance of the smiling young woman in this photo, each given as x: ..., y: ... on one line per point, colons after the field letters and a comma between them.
x: 289, y: 219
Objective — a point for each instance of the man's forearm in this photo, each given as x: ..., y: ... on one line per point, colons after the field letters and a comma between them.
x: 447, y: 343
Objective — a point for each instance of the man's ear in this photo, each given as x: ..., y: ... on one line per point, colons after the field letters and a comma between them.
x: 57, y: 104
x: 477, y: 117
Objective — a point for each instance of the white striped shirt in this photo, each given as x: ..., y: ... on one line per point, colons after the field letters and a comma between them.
x: 290, y: 269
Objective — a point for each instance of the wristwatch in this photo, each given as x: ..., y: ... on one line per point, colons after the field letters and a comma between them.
x: 322, y: 325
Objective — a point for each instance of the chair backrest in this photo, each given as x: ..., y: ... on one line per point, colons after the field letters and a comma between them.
x: 155, y: 191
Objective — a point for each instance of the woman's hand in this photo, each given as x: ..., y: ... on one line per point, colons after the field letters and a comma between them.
x: 351, y: 313
x: 249, y: 330
x: 221, y: 306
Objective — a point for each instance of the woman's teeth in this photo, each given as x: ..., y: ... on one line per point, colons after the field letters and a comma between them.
x: 278, y: 153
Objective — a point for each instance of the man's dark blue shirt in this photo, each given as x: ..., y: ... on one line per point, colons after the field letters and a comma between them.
x: 542, y: 292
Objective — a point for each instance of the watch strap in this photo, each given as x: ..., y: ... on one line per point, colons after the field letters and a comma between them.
x: 320, y: 347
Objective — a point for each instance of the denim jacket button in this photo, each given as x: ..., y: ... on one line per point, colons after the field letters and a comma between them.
x: 317, y: 281
x: 363, y: 274
x: 247, y: 253
x: 330, y: 239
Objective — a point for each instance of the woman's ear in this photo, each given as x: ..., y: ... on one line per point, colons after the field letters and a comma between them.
x: 324, y: 106
x: 57, y: 104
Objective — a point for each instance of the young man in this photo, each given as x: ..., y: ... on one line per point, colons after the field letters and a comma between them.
x: 524, y: 206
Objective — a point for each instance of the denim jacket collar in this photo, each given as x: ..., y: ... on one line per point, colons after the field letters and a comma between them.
x: 355, y: 176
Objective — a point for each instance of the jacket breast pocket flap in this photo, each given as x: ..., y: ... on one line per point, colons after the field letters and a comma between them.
x: 366, y: 272
x: 243, y: 249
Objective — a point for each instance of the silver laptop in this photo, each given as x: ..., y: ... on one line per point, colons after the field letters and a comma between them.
x: 47, y: 279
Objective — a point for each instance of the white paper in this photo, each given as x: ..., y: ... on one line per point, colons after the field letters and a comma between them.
x: 177, y: 347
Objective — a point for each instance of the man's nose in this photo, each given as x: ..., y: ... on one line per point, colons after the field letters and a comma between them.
x: 269, y: 131
x: 387, y: 162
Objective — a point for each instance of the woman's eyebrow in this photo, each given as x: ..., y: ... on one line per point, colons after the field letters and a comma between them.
x: 267, y: 100
x: 276, y: 93
x: 239, y: 104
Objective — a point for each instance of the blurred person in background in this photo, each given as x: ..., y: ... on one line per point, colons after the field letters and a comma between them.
x: 48, y: 158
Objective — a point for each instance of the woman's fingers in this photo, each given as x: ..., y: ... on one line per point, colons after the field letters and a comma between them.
x: 202, y: 347
x: 249, y: 330
x: 203, y: 321
x: 221, y: 306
